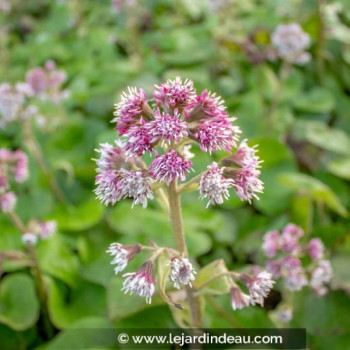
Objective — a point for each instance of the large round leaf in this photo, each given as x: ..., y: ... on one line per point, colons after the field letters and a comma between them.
x: 19, y: 306
x: 78, y: 218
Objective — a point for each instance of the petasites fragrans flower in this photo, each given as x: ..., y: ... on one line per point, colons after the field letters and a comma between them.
x: 122, y: 254
x: 166, y: 127
x: 214, y: 186
x: 30, y: 238
x: 239, y: 299
x: 169, y: 167
x: 181, y: 272
x: 289, y: 251
x: 8, y: 202
x: 46, y: 82
x: 151, y: 159
x: 12, y: 99
x: 182, y: 118
x: 175, y: 93
x: 141, y: 282
x: 258, y: 285
x: 132, y: 107
x: 320, y: 276
x: 290, y: 42
x: 13, y: 166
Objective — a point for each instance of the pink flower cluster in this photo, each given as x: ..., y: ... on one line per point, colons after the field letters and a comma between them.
x: 120, y: 5
x: 46, y: 82
x: 39, y: 230
x: 290, y: 43
x: 142, y: 281
x: 13, y: 165
x: 259, y: 285
x: 180, y: 118
x: 115, y: 180
x: 288, y: 253
x: 12, y: 99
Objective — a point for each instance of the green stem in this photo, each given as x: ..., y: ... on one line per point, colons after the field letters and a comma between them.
x: 180, y: 243
x: 176, y: 218
x: 223, y: 313
x: 17, y: 221
x: 41, y: 292
x: 38, y: 275
x: 36, y: 151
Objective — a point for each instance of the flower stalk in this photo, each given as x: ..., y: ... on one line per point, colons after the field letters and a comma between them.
x: 181, y: 118
x: 36, y: 151
x: 176, y: 219
x: 38, y: 275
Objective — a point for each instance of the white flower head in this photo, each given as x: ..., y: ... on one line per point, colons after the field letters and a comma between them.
x: 181, y: 272
x: 141, y: 282
x: 259, y: 286
x: 136, y: 185
x: 239, y: 299
x: 122, y: 254
x: 214, y: 186
x: 30, y: 238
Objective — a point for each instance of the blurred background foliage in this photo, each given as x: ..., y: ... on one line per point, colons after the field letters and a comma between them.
x: 301, y: 122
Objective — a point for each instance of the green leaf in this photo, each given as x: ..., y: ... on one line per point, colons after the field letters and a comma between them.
x: 155, y: 316
x: 194, y: 7
x: 318, y: 100
x: 301, y: 211
x: 267, y: 81
x: 121, y: 305
x: 154, y: 225
x: 198, y: 218
x: 87, y: 333
x: 78, y: 218
x: 341, y: 272
x: 291, y: 87
x: 277, y: 159
x: 327, y: 342
x: 340, y: 167
x: 250, y: 317
x: 9, y: 339
x: 10, y: 238
x: 219, y: 285
x: 306, y: 184
x: 328, y: 315
x: 319, y: 134
x: 98, y: 271
x: 37, y: 203
x: 56, y: 259
x: 19, y: 306
x: 85, y: 300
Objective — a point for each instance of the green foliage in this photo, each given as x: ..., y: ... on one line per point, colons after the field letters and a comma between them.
x: 211, y: 279
x: 19, y: 306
